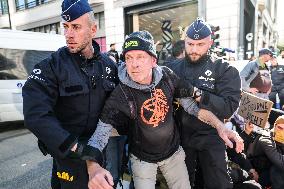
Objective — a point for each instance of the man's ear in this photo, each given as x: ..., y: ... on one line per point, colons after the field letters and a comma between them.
x: 154, y: 62
x: 94, y: 30
x: 211, y: 43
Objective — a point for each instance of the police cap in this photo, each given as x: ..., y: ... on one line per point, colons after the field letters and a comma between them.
x: 73, y: 9
x: 265, y: 51
x: 198, y: 30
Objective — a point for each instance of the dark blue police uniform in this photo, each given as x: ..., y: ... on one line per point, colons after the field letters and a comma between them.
x: 63, y: 98
x: 220, y: 85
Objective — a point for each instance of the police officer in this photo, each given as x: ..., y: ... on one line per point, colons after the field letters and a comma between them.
x: 217, y: 90
x: 277, y: 77
x: 64, y: 96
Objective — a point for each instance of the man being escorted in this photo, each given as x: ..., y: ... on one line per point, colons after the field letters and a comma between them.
x: 143, y: 102
x: 217, y: 89
x: 64, y: 95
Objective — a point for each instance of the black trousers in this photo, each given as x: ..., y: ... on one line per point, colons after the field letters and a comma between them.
x: 209, y: 152
x: 69, y: 174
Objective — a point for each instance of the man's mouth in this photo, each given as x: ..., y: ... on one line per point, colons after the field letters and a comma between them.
x: 135, y: 73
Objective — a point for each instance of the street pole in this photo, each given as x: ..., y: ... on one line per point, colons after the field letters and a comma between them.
x: 241, y: 31
x: 9, y: 16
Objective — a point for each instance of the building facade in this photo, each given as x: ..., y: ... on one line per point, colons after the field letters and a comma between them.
x: 245, y: 25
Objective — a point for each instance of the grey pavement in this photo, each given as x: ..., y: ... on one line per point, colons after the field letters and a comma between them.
x: 22, y: 166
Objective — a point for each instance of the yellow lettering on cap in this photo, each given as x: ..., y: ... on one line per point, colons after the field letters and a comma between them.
x: 130, y: 44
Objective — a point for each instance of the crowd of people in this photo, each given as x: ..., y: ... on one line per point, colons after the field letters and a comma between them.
x: 84, y: 106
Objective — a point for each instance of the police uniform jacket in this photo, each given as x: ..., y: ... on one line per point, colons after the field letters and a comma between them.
x: 64, y: 95
x: 277, y: 76
x: 221, y: 88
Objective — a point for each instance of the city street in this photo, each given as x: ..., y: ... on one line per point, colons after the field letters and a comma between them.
x: 22, y: 166
x: 21, y: 163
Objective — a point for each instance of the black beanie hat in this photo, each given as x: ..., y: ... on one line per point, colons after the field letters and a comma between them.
x: 140, y: 40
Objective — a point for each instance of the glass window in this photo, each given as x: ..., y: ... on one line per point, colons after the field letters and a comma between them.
x: 50, y: 28
x: 100, y: 18
x: 18, y: 64
x: 20, y: 4
x: 27, y: 4
x: 3, y: 7
x: 167, y: 25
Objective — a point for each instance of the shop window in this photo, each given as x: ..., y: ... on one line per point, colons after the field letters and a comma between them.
x: 166, y: 25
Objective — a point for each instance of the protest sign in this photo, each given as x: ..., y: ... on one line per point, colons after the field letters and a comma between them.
x: 255, y: 109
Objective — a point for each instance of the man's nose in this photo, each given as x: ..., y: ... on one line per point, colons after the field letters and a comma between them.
x: 194, y: 48
x: 69, y: 33
x: 135, y: 63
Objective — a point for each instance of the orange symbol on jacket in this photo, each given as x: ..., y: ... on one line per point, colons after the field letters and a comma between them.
x: 157, y: 105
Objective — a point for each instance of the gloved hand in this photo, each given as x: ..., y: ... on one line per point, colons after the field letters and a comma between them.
x: 186, y: 89
x: 87, y: 152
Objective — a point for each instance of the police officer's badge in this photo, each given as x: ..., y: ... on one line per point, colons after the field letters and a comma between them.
x: 37, y: 71
x: 196, y: 36
x: 208, y: 72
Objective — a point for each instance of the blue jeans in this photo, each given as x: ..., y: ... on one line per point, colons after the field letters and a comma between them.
x: 114, y: 154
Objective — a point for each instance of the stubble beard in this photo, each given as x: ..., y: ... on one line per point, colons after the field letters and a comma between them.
x: 78, y: 49
x: 187, y: 57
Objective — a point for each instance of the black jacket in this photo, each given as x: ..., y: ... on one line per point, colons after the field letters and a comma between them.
x: 221, y: 86
x: 64, y: 95
x: 277, y: 76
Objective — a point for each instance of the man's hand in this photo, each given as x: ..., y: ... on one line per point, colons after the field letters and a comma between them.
x: 254, y: 174
x: 230, y: 136
x: 226, y: 134
x: 99, y: 178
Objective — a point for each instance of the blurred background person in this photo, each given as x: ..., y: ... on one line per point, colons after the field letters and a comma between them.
x: 178, y: 52
x: 113, y: 52
x: 255, y: 75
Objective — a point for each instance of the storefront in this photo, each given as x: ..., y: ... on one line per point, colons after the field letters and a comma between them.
x: 165, y: 20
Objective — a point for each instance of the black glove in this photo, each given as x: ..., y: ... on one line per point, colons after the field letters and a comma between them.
x: 87, y: 152
x: 186, y: 89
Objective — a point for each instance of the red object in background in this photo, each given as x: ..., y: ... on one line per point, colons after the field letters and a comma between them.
x: 102, y: 42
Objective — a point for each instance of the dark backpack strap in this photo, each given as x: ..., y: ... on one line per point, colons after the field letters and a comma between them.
x: 130, y: 100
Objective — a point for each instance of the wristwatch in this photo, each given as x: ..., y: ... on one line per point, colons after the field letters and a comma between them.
x: 197, y: 93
